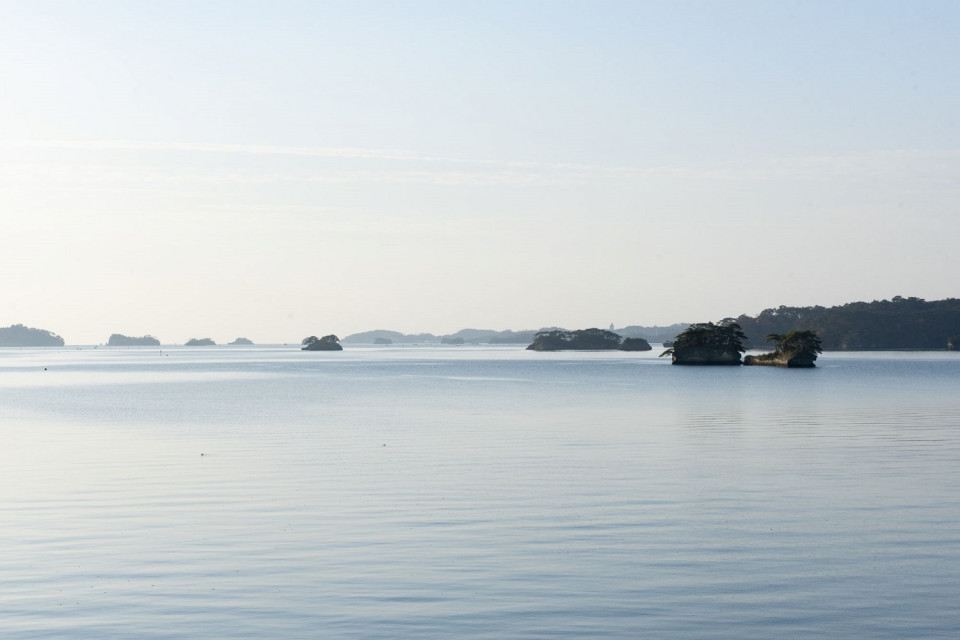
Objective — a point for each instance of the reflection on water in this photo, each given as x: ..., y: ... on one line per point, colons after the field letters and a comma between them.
x: 475, y: 492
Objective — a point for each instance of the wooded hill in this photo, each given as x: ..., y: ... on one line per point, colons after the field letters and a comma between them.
x: 901, y: 323
x: 20, y: 336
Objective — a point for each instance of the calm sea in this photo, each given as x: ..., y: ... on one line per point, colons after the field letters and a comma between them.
x: 472, y: 492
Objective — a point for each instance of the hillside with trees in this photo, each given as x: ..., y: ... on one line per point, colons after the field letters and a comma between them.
x: 900, y: 323
x: 18, y: 335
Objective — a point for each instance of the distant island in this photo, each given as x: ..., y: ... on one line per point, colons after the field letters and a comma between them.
x: 200, y: 342
x: 464, y: 336
x: 395, y: 337
x: 243, y: 341
x: 326, y: 343
x: 18, y: 335
x: 652, y: 334
x: 635, y: 344
x: 585, y: 340
x: 120, y: 340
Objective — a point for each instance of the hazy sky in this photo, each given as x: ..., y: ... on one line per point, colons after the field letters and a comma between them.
x: 280, y: 169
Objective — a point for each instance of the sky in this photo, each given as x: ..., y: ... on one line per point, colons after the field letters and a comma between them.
x: 281, y: 169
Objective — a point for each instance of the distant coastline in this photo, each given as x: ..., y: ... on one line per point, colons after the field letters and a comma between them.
x: 899, y: 324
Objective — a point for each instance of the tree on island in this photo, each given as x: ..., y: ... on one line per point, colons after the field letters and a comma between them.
x: 326, y: 343
x: 708, y: 343
x: 200, y: 342
x: 798, y: 348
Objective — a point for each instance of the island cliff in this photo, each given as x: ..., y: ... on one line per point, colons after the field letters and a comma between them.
x: 797, y: 349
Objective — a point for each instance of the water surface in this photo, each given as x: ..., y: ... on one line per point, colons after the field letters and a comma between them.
x: 475, y: 492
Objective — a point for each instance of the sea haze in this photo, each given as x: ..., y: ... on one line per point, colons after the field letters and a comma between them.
x: 475, y: 492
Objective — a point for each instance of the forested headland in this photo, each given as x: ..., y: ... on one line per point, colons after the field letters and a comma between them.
x: 900, y: 323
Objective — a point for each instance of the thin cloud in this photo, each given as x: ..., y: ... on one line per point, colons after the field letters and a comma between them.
x: 929, y: 164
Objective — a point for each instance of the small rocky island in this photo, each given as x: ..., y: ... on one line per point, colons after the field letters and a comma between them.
x: 120, y: 340
x: 326, y: 343
x: 200, y: 342
x: 706, y: 343
x: 794, y: 349
x: 634, y: 344
x: 580, y: 340
x: 242, y: 341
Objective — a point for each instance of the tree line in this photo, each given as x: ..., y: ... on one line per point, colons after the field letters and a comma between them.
x: 900, y: 323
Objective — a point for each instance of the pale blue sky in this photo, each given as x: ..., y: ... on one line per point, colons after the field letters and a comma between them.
x: 281, y: 169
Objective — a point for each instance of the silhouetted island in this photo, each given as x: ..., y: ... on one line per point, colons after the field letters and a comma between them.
x: 795, y: 349
x: 468, y: 336
x: 326, y: 343
x: 120, y: 340
x: 200, y: 342
x: 635, y: 344
x: 18, y: 335
x: 707, y: 343
x: 243, y: 341
x: 580, y: 340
